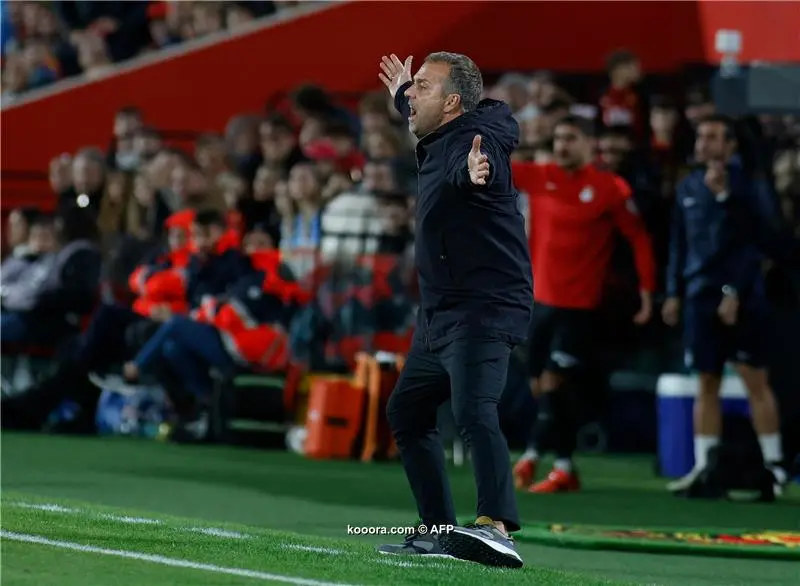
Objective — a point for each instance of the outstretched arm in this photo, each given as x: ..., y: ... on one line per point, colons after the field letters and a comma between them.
x: 396, y: 76
x: 470, y: 164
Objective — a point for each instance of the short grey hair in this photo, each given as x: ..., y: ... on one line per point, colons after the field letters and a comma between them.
x: 465, y: 78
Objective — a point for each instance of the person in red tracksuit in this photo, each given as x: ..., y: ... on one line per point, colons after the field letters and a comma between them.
x: 575, y: 209
x: 159, y: 286
x: 245, y: 328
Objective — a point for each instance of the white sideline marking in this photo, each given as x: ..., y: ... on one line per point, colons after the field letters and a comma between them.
x: 131, y: 520
x: 50, y: 508
x: 165, y: 561
x: 298, y: 547
x: 214, y: 532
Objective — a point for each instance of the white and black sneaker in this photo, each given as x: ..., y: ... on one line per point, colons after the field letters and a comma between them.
x: 684, y: 483
x: 780, y: 478
x: 416, y: 544
x: 483, y: 543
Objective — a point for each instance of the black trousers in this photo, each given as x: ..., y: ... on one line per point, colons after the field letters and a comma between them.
x: 472, y: 371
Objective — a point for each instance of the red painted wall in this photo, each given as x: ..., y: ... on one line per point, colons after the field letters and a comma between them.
x: 201, y: 90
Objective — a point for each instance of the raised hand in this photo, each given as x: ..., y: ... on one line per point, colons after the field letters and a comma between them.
x: 477, y: 163
x: 395, y: 73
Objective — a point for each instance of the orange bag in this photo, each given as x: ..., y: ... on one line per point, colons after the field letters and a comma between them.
x: 333, y: 421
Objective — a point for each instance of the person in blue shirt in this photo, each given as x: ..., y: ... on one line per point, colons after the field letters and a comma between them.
x: 725, y: 219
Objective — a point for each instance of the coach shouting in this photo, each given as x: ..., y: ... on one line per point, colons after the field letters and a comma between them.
x: 476, y: 291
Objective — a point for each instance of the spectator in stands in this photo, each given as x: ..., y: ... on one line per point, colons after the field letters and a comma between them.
x: 19, y: 226
x: 279, y: 145
x: 374, y: 113
x: 242, y: 138
x: 207, y: 18
x: 35, y: 238
x: 513, y: 89
x: 261, y: 208
x: 84, y: 175
x: 664, y: 118
x: 618, y: 153
x: 113, y: 335
x: 122, y: 26
x: 395, y: 231
x: 113, y: 205
x: 385, y: 143
x: 301, y: 228
x: 147, y: 143
x: 217, y: 262
x: 93, y: 56
x: 622, y: 104
x: 48, y: 303
x: 311, y: 101
x: 236, y: 331
x: 121, y: 153
x: 190, y: 188
x: 787, y: 184
x: 211, y: 155
x: 351, y: 222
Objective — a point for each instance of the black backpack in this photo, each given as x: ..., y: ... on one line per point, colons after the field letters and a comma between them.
x: 735, y: 471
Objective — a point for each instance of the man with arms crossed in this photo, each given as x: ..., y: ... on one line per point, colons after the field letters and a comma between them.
x: 475, y: 291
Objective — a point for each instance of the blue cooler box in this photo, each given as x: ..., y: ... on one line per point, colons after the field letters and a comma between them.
x: 675, y: 394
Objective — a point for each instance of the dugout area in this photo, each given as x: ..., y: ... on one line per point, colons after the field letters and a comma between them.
x: 281, y: 518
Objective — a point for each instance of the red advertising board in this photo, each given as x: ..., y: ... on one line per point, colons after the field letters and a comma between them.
x: 340, y: 47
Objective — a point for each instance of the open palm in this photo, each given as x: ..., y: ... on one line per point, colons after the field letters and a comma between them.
x: 395, y: 72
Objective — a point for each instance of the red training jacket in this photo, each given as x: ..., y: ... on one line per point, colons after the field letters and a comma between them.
x: 572, y: 219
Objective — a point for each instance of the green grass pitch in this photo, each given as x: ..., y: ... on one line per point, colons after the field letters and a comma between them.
x: 92, y: 512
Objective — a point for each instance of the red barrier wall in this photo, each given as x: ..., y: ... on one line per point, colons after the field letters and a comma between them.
x: 337, y: 47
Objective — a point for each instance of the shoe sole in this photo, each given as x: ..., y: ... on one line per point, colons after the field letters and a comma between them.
x: 465, y: 545
x: 422, y: 555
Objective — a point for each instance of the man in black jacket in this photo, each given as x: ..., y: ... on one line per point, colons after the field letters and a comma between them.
x: 476, y: 295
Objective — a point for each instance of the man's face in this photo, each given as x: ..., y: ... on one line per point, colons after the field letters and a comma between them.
x: 205, y: 238
x: 378, y: 146
x: 17, y: 228
x: 42, y: 239
x: 187, y: 182
x: 374, y: 121
x: 264, y: 184
x: 257, y: 240
x: 276, y: 143
x: 427, y: 99
x: 126, y: 126
x: 176, y: 238
x: 146, y: 145
x: 613, y: 150
x: 211, y: 156
x: 570, y: 147
x: 87, y: 175
x: 711, y: 143
x: 378, y: 178
x: 663, y: 120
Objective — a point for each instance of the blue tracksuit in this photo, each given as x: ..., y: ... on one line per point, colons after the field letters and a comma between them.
x: 471, y: 249
x: 717, y: 241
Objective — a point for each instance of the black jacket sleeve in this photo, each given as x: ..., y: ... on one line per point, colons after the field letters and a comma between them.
x: 80, y: 278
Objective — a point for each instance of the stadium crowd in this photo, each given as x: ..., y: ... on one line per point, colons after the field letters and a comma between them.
x: 44, y: 41
x: 287, y: 239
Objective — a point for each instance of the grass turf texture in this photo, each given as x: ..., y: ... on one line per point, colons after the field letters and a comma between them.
x: 279, y: 498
